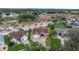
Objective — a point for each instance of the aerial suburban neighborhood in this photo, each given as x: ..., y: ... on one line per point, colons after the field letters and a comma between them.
x: 39, y: 30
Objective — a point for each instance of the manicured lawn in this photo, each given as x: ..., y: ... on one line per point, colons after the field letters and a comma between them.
x: 6, y: 39
x: 25, y: 20
x: 17, y: 47
x: 55, y: 44
x: 37, y: 47
x: 59, y: 25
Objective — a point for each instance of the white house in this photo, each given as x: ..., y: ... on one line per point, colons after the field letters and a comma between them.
x: 24, y: 39
x: 72, y: 22
x: 14, y: 40
x: 35, y: 36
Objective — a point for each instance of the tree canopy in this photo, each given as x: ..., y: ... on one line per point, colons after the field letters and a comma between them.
x: 73, y: 43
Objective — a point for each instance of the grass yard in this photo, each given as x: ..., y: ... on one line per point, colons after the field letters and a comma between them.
x: 6, y: 39
x: 53, y: 43
x: 17, y: 47
x: 56, y: 43
x: 25, y: 20
x: 59, y: 25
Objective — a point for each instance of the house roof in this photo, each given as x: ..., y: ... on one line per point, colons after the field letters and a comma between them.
x: 65, y: 30
x: 20, y: 33
x: 5, y: 25
x: 39, y: 30
x: 44, y: 17
x: 17, y: 34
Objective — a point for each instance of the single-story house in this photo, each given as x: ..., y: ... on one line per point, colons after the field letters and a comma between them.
x: 20, y: 35
x: 61, y: 32
x: 72, y: 22
x: 39, y: 32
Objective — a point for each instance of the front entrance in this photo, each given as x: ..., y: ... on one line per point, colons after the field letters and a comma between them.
x: 42, y: 35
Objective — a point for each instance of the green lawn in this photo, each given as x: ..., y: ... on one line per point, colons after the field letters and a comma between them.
x: 25, y: 20
x: 56, y: 43
x: 6, y: 39
x: 59, y: 25
x: 53, y: 43
x: 17, y: 47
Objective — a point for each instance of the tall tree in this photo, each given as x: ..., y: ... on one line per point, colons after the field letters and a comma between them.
x: 52, y: 42
x: 34, y: 46
x: 73, y: 43
x: 30, y: 36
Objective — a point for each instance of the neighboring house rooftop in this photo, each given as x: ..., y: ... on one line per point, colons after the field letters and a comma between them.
x: 62, y: 32
x: 20, y: 33
x: 17, y: 34
x: 39, y: 30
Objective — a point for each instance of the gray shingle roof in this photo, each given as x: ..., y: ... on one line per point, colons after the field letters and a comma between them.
x: 58, y: 30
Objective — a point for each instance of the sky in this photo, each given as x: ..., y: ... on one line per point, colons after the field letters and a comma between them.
x: 65, y: 4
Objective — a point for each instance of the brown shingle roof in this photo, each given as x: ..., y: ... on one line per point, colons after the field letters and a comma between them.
x: 17, y: 34
x: 39, y: 30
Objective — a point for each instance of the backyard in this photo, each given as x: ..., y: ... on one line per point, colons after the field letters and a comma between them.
x: 59, y: 25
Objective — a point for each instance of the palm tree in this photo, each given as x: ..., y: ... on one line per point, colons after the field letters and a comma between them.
x: 34, y: 46
x: 52, y: 42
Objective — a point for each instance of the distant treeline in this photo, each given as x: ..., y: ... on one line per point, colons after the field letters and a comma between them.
x: 16, y: 10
